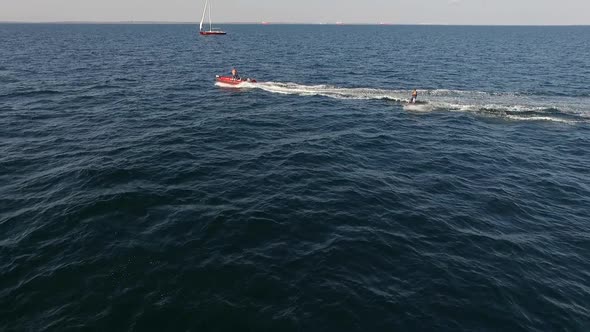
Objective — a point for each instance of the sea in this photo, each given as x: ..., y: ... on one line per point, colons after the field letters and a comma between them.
x: 138, y: 195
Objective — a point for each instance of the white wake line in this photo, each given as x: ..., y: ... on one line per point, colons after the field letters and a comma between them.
x: 322, y: 90
x: 443, y: 99
x: 331, y: 91
x: 543, y: 118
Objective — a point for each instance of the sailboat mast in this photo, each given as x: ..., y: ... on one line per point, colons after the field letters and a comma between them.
x: 203, y: 17
x: 210, y: 23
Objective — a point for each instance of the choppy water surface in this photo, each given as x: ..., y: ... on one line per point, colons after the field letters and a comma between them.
x: 135, y: 194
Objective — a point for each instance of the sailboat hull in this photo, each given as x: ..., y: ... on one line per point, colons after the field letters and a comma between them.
x: 212, y: 33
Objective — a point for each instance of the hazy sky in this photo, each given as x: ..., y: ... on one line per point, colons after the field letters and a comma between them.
x: 305, y: 11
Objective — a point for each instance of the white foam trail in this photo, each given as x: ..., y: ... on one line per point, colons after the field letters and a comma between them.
x: 332, y: 91
x: 541, y: 118
x: 418, y: 108
x: 537, y: 108
x: 243, y: 85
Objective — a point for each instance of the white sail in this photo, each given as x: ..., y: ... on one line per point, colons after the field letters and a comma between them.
x: 203, y: 17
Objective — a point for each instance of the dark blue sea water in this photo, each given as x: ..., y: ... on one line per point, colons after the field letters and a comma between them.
x: 136, y: 195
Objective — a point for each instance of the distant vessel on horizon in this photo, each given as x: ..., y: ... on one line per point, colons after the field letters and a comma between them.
x: 212, y: 31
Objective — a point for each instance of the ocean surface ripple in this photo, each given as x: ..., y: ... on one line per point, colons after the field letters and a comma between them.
x: 137, y: 195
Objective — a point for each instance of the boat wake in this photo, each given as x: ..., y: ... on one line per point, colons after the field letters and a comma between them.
x: 333, y: 92
x: 511, y: 106
x: 243, y: 85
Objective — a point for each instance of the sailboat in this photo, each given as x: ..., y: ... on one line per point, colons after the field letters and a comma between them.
x: 212, y: 31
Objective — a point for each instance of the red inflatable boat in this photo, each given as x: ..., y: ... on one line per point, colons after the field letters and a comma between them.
x: 233, y: 81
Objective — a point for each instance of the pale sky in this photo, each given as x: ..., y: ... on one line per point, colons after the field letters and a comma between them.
x: 533, y: 12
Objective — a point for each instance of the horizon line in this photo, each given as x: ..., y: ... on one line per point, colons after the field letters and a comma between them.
x: 131, y: 22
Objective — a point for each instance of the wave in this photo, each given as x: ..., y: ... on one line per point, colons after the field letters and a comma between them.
x: 7, y: 76
x: 31, y: 93
x: 513, y: 106
x: 580, y: 94
x: 7, y: 79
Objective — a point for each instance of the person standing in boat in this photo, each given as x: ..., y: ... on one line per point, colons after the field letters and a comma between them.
x: 414, y: 97
x: 234, y: 74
